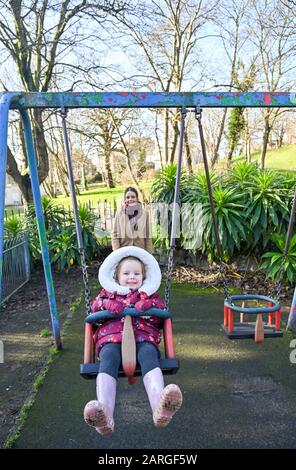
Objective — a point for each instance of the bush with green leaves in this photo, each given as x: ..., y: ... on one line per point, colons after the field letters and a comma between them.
x: 13, y: 227
x: 87, y: 221
x: 250, y: 203
x: 61, y: 233
x: 271, y: 261
x: 162, y: 191
x: 241, y: 174
x: 267, y: 207
x: 63, y: 249
x: 163, y: 187
x: 230, y: 221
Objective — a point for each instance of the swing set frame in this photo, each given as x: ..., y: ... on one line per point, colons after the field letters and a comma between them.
x: 65, y: 100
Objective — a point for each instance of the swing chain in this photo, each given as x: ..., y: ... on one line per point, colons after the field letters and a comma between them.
x: 222, y: 272
x: 168, y: 277
x: 63, y: 113
x: 278, y: 284
x: 222, y: 266
x: 176, y: 202
x: 87, y: 295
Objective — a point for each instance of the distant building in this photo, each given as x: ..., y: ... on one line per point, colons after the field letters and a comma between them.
x: 13, y: 195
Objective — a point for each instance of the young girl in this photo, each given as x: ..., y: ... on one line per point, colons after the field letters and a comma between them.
x: 130, y: 276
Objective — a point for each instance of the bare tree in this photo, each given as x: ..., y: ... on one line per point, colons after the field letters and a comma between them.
x: 166, y: 38
x: 233, y: 36
x: 37, y: 36
x: 105, y: 138
x: 273, y: 37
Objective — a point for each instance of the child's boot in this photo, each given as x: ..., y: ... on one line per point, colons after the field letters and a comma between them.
x: 164, y: 401
x: 99, y: 413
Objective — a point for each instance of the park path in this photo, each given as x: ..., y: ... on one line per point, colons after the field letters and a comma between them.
x: 236, y: 394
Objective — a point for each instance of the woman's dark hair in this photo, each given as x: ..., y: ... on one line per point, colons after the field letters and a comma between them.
x: 133, y: 190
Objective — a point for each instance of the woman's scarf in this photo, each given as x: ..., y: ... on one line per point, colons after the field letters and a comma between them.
x: 134, y: 213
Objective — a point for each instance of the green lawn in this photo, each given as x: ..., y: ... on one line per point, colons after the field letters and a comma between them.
x: 282, y: 159
x: 93, y: 195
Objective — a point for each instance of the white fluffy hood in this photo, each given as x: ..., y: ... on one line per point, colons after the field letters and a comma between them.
x: 152, y: 271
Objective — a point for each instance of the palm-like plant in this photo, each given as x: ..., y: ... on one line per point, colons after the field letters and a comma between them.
x: 272, y: 261
x: 87, y: 220
x: 197, y: 187
x: 13, y: 227
x: 241, y: 174
x: 163, y: 187
x: 230, y: 221
x: 267, y: 207
x: 63, y: 249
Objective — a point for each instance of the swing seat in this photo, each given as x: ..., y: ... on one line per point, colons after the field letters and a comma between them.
x: 90, y: 369
x: 246, y: 329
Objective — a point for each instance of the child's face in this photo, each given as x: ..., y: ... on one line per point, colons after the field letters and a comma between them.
x: 131, y: 198
x: 130, y: 274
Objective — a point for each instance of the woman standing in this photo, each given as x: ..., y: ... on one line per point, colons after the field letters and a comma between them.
x: 132, y: 224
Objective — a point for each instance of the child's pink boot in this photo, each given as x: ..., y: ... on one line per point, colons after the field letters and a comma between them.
x: 99, y: 413
x: 96, y: 415
x: 165, y: 402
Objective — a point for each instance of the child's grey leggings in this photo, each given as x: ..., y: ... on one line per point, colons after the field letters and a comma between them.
x: 110, y: 358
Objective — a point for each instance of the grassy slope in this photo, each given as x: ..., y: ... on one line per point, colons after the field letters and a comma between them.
x: 93, y: 195
x: 283, y: 159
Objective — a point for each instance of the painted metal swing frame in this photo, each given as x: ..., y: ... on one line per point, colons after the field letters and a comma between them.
x: 24, y: 101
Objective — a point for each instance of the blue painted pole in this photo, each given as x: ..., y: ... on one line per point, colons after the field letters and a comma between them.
x: 142, y: 99
x: 41, y: 226
x: 291, y: 325
x: 4, y: 109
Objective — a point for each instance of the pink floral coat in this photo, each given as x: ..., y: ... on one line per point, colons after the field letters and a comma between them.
x: 145, y: 329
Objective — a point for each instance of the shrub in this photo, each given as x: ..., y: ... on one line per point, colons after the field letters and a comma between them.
x: 63, y: 249
x: 267, y: 207
x: 13, y: 227
x: 230, y: 221
x: 163, y: 187
x: 271, y: 262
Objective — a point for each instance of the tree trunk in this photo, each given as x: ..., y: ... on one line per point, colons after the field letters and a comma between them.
x: 108, y: 177
x: 267, y: 129
x: 220, y: 135
x: 230, y: 155
x: 48, y: 188
x: 23, y: 181
x: 175, y: 139
x: 188, y: 154
x: 40, y: 145
x: 166, y: 136
x: 247, y: 138
x: 248, y: 149
x: 83, y: 178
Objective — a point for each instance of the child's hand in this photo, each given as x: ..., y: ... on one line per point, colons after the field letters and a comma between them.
x: 113, y: 306
x: 143, y: 305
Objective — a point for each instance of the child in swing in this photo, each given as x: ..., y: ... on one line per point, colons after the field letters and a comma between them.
x: 130, y: 277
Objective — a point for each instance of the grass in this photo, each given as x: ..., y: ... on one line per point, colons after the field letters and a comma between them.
x: 39, y: 379
x: 93, y: 195
x: 53, y: 353
x: 281, y: 159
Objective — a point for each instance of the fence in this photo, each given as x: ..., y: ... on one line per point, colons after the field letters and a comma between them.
x: 16, y: 265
